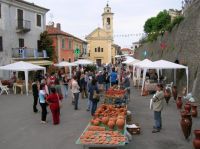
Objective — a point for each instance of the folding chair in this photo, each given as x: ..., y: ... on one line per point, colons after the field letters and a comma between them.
x: 169, y: 86
x: 3, y: 88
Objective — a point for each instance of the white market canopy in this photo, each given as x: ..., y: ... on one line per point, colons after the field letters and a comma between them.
x: 118, y: 56
x: 23, y: 66
x: 128, y: 60
x: 162, y: 64
x: 139, y: 65
x: 66, y: 64
x: 83, y: 62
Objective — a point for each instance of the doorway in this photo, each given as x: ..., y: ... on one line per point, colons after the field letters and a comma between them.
x: 98, y: 61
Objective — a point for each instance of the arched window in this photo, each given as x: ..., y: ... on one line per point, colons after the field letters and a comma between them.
x: 108, y: 21
x: 95, y: 49
x: 101, y: 49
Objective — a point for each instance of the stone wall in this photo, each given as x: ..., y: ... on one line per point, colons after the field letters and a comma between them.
x: 182, y: 43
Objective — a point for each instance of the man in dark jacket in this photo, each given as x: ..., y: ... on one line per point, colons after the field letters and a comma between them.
x: 35, y: 95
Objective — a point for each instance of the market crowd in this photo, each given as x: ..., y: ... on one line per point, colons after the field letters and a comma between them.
x: 50, y: 90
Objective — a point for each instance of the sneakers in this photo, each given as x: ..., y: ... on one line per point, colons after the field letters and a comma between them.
x: 155, y: 131
x: 43, y: 122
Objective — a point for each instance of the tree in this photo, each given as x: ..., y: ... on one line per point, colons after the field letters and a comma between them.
x: 163, y: 19
x: 46, y: 43
x: 149, y: 25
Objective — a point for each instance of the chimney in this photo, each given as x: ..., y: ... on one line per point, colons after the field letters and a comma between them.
x: 58, y: 26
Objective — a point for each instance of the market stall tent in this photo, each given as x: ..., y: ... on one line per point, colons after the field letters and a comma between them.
x: 66, y: 64
x: 162, y: 64
x: 128, y: 60
x: 139, y: 66
x: 23, y: 66
x: 83, y: 62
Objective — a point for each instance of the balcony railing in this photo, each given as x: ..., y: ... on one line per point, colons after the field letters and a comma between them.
x: 28, y: 53
x: 23, y: 26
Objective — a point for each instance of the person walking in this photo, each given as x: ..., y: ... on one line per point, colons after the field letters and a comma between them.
x: 42, y: 96
x: 75, y: 90
x: 93, y: 89
x: 35, y: 91
x: 113, y: 77
x: 158, y: 104
x: 53, y: 100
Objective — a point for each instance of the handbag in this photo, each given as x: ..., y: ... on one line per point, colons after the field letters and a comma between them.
x: 96, y: 96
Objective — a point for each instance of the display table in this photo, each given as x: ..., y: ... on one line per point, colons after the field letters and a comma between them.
x: 107, y: 129
x: 150, y: 86
x: 19, y: 85
x: 94, y: 140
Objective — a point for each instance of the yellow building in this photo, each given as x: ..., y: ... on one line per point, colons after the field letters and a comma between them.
x: 100, y: 42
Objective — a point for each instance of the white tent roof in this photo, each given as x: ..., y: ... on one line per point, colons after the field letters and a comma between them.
x: 128, y: 60
x: 118, y: 56
x: 163, y: 64
x: 135, y: 61
x: 65, y: 64
x: 143, y: 63
x: 22, y: 66
x: 83, y: 62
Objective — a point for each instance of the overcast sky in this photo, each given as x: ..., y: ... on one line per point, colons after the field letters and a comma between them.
x: 81, y: 17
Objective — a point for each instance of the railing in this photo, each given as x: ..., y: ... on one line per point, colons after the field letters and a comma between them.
x: 24, y: 53
x: 23, y: 25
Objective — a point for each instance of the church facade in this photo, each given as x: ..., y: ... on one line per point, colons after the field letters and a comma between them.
x: 101, y: 48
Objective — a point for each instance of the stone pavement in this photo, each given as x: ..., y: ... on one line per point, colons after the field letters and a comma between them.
x: 20, y: 128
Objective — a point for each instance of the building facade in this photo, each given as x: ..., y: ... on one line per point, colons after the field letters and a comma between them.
x: 65, y: 44
x: 21, y: 24
x: 100, y: 42
x: 126, y: 51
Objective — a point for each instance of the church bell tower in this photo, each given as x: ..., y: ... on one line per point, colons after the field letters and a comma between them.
x: 107, y: 18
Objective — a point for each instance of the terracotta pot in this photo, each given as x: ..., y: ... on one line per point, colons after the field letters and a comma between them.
x: 186, y: 124
x: 96, y: 122
x: 194, y: 111
x: 111, y: 124
x: 179, y: 103
x: 120, y: 124
x: 174, y: 92
x: 196, y: 141
x: 187, y: 107
x: 105, y: 120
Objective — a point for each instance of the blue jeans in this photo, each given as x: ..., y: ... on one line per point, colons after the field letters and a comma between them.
x: 158, y: 120
x: 76, y: 97
x: 106, y: 86
x: 65, y: 87
x: 94, y: 107
x: 89, y: 104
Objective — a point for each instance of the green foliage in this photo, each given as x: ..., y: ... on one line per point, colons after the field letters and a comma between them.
x: 158, y: 23
x: 46, y: 44
x: 162, y: 20
x: 149, y: 25
x: 155, y: 26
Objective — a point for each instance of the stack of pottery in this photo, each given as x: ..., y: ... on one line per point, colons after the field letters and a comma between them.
x: 196, y: 141
x: 186, y: 123
x: 179, y: 102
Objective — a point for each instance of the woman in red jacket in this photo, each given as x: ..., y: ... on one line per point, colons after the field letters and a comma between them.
x: 53, y: 101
